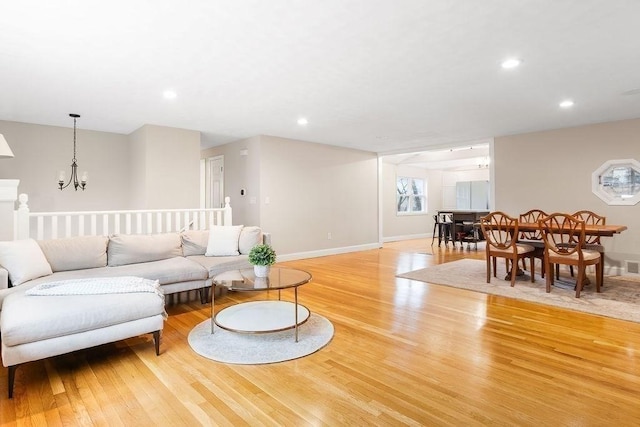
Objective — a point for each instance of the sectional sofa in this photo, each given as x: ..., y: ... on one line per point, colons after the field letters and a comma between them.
x: 179, y: 261
x: 36, y: 327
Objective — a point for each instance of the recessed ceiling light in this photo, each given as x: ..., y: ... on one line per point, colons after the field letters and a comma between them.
x: 169, y: 94
x: 511, y: 63
x: 566, y: 103
x: 302, y: 121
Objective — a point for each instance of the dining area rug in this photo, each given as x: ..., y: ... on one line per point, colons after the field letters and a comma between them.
x: 620, y: 296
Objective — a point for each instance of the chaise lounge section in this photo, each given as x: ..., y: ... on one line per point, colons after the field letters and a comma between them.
x: 36, y: 327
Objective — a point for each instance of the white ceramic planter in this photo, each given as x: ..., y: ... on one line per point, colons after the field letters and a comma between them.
x: 261, y: 270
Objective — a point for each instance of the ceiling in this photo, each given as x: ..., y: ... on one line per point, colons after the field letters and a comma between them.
x: 386, y: 76
x: 460, y: 158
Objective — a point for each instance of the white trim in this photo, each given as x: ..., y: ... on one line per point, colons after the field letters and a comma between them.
x: 380, y: 202
x: 326, y: 252
x: 407, y: 237
x: 9, y: 190
x: 203, y: 184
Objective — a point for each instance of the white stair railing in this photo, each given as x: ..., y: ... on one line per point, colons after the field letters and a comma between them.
x: 52, y: 225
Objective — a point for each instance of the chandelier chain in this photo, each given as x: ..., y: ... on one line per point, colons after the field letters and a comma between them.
x: 74, y: 139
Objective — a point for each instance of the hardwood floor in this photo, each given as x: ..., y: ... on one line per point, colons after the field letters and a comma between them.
x: 404, y: 352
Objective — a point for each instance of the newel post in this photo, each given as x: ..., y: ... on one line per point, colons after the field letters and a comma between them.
x: 228, y: 217
x: 22, y: 218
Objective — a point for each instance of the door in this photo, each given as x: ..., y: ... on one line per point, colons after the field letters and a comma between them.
x: 215, y: 182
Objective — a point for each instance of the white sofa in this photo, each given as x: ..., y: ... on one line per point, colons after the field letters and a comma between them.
x: 179, y: 261
x: 33, y: 328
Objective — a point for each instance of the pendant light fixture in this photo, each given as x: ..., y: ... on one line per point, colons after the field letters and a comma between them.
x: 74, y: 165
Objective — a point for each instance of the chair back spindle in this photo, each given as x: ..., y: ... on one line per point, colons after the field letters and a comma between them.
x: 591, y: 218
x: 532, y: 217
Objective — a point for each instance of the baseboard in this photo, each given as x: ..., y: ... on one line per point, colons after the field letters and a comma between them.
x: 406, y: 237
x: 327, y: 252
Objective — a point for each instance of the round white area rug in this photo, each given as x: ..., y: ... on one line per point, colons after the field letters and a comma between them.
x: 254, y: 349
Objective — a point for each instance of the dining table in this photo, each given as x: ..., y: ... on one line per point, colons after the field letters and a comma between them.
x: 589, y: 229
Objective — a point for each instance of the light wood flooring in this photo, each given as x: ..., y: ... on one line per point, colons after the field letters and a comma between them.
x: 404, y: 353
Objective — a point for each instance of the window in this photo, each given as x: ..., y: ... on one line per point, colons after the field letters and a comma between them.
x: 411, y: 197
x: 617, y: 182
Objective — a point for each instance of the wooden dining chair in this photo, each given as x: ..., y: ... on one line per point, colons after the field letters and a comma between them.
x: 564, y: 239
x: 533, y: 238
x: 501, y: 235
x: 593, y: 242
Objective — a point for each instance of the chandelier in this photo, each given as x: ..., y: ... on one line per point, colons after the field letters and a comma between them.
x: 74, y: 165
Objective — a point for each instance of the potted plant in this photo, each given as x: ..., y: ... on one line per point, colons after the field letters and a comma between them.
x: 262, y: 257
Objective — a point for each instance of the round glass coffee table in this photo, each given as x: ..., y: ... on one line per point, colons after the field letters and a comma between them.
x: 261, y: 316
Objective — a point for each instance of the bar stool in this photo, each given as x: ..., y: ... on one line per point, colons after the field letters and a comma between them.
x: 445, y: 222
x: 436, y: 227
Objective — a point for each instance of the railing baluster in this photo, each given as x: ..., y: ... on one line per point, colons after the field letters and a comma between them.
x: 177, y: 218
x: 168, y: 227
x: 67, y: 226
x: 51, y: 224
x: 40, y: 230
x: 105, y: 224
x: 202, y: 219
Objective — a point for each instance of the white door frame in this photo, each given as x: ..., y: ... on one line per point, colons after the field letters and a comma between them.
x: 206, y: 181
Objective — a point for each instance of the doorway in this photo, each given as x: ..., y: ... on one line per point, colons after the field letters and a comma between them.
x: 214, y: 182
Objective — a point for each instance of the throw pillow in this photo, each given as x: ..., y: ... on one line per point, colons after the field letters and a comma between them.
x: 194, y: 242
x: 249, y: 237
x: 126, y: 249
x: 223, y: 240
x: 24, y: 260
x: 75, y: 253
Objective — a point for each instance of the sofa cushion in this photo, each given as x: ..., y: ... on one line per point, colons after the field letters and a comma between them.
x: 223, y: 240
x: 194, y: 242
x: 217, y: 265
x: 130, y: 249
x: 249, y: 237
x: 177, y: 269
x: 24, y: 260
x: 75, y: 253
x: 167, y: 272
x: 28, y: 319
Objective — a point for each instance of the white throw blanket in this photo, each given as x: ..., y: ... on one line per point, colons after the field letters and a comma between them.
x: 97, y: 286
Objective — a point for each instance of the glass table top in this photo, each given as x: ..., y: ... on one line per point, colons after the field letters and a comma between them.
x: 246, y: 280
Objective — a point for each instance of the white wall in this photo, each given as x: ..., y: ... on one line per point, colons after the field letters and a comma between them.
x: 315, y: 189
x: 241, y: 172
x: 138, y: 153
x: 154, y: 167
x: 303, y: 191
x: 552, y: 171
x: 169, y: 168
x: 397, y: 227
x: 42, y: 151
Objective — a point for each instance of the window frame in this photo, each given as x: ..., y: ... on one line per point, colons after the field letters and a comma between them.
x: 422, y: 195
x: 604, y: 188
